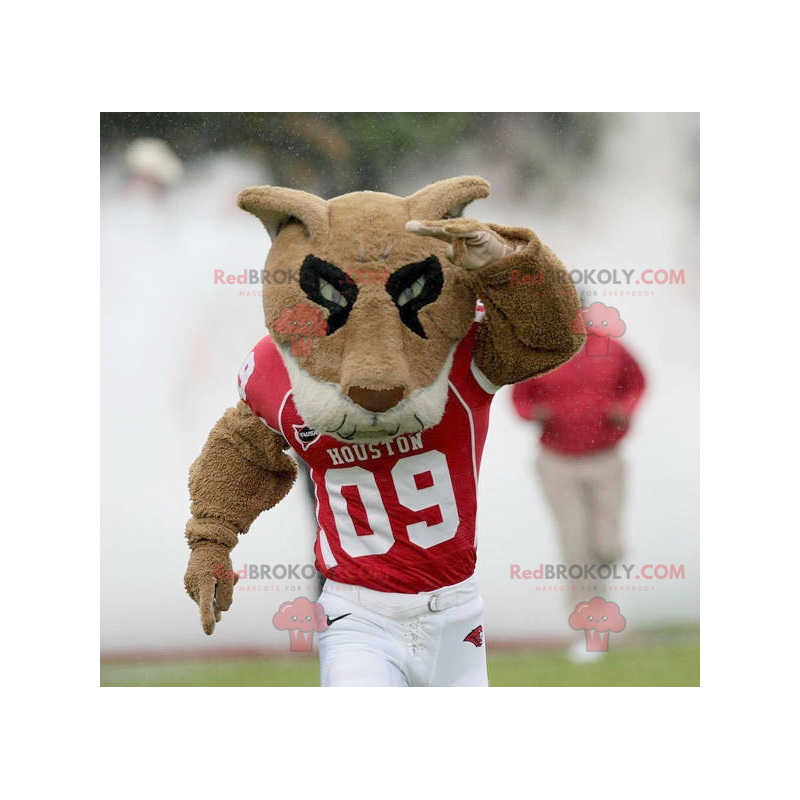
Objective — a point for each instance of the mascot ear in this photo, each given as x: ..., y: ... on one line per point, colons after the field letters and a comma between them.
x: 275, y: 206
x: 446, y: 198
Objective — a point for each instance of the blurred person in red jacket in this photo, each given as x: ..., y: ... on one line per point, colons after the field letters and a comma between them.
x: 585, y: 409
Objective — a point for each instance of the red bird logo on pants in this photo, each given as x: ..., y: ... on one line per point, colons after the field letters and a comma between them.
x: 475, y: 636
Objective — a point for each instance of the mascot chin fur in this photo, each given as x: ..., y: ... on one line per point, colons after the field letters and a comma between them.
x: 399, y: 322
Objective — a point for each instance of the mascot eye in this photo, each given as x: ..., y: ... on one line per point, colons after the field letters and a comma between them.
x: 414, y: 286
x: 413, y: 291
x: 329, y: 287
x: 331, y: 293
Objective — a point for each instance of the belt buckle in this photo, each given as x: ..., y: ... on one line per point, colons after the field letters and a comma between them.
x: 432, y: 603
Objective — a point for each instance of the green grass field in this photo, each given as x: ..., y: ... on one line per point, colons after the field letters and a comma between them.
x: 663, y: 657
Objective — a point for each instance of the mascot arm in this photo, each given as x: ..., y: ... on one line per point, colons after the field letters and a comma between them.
x: 240, y: 472
x: 530, y: 303
x: 528, y: 297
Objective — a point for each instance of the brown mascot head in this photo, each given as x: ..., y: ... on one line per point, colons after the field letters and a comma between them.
x: 369, y: 319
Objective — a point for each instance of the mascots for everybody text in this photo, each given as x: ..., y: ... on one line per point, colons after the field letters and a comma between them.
x: 382, y: 358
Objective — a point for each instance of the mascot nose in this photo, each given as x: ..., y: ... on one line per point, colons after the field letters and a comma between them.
x: 376, y: 399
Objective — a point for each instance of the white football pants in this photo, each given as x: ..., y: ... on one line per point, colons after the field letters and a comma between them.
x: 391, y: 639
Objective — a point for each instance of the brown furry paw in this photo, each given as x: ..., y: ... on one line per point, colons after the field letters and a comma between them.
x: 209, y: 581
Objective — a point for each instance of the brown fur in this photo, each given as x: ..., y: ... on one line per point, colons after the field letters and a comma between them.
x: 374, y: 349
x: 225, y: 502
x: 525, y: 332
x: 240, y: 472
x: 242, y: 469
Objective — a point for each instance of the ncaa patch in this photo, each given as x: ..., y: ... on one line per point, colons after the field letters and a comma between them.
x: 305, y: 436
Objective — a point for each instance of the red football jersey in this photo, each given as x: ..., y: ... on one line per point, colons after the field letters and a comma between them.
x: 398, y: 515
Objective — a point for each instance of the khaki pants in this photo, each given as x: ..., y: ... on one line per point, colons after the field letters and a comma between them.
x: 586, y: 495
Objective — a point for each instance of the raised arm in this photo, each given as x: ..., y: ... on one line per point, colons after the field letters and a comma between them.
x: 529, y: 300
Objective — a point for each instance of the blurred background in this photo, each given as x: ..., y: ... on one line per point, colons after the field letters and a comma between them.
x: 604, y: 191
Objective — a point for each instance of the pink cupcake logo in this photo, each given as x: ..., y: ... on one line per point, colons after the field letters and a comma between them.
x: 301, y: 323
x: 599, y: 322
x: 598, y: 619
x: 301, y: 618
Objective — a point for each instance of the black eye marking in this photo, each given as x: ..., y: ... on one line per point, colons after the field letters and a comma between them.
x: 414, y: 286
x: 330, y: 287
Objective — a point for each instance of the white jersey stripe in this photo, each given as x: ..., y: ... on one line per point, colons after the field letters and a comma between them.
x: 324, y: 545
x: 472, y: 445
x: 483, y: 381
